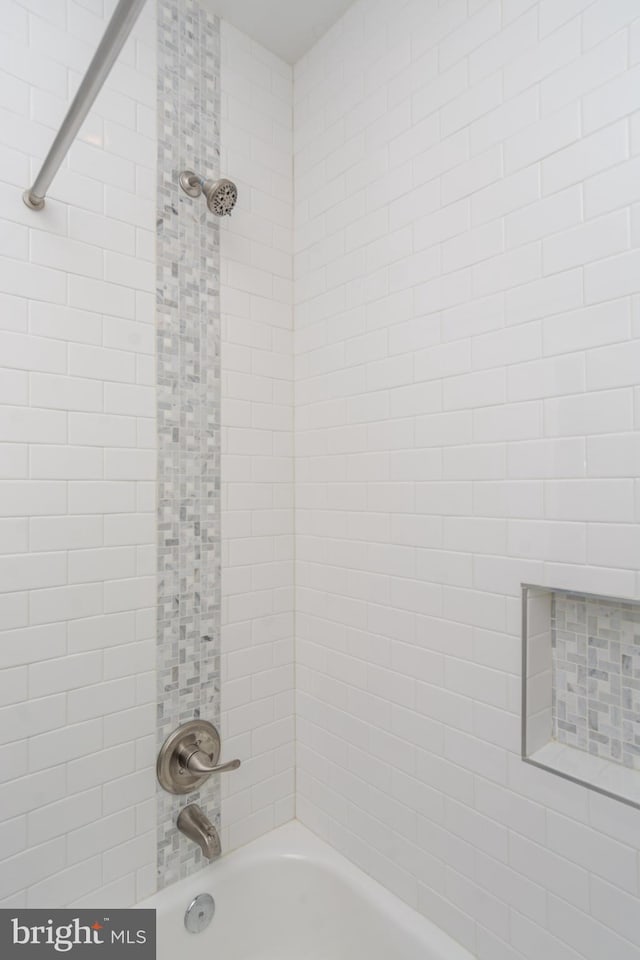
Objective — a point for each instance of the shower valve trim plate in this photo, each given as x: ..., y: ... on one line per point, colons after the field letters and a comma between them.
x: 189, y: 756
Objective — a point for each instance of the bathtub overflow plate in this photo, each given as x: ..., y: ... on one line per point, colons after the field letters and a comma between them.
x: 199, y: 913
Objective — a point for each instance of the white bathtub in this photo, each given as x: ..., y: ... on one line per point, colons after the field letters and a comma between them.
x: 289, y: 896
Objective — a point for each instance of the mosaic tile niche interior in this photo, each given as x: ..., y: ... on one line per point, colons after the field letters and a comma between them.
x: 596, y: 676
x: 188, y: 377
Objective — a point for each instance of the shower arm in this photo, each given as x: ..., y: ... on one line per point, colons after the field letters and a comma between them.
x: 118, y: 29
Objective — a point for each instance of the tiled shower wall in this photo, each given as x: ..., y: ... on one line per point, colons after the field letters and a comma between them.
x: 77, y: 467
x: 77, y: 448
x: 467, y: 182
x: 241, y: 96
x: 451, y: 161
x: 257, y: 440
x: 596, y: 676
x: 188, y: 390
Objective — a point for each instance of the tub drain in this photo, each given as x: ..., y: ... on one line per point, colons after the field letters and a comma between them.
x: 199, y: 913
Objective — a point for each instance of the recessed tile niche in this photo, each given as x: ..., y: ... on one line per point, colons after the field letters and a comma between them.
x: 581, y: 688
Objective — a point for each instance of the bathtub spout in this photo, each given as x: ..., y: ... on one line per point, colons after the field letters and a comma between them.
x: 194, y: 823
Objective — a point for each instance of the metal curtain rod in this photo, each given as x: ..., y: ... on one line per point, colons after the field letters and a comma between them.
x: 118, y: 29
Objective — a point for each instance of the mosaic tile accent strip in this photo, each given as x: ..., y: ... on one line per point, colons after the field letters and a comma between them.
x: 596, y: 676
x: 188, y: 351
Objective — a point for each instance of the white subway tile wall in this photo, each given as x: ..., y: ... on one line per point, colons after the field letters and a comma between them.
x: 77, y: 465
x: 468, y: 328
x: 257, y: 441
x: 467, y: 359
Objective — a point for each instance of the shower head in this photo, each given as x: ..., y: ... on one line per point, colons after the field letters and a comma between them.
x: 221, y: 195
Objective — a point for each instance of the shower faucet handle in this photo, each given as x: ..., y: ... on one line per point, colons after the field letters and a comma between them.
x: 200, y: 762
x: 189, y: 756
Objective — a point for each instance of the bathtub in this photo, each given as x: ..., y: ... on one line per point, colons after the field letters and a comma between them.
x: 289, y: 896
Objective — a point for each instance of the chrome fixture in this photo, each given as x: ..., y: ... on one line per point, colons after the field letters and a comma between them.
x: 189, y: 755
x: 221, y: 195
x: 194, y: 823
x: 199, y: 913
x: 118, y: 29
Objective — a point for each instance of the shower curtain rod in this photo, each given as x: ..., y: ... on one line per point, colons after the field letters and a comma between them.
x: 118, y: 29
